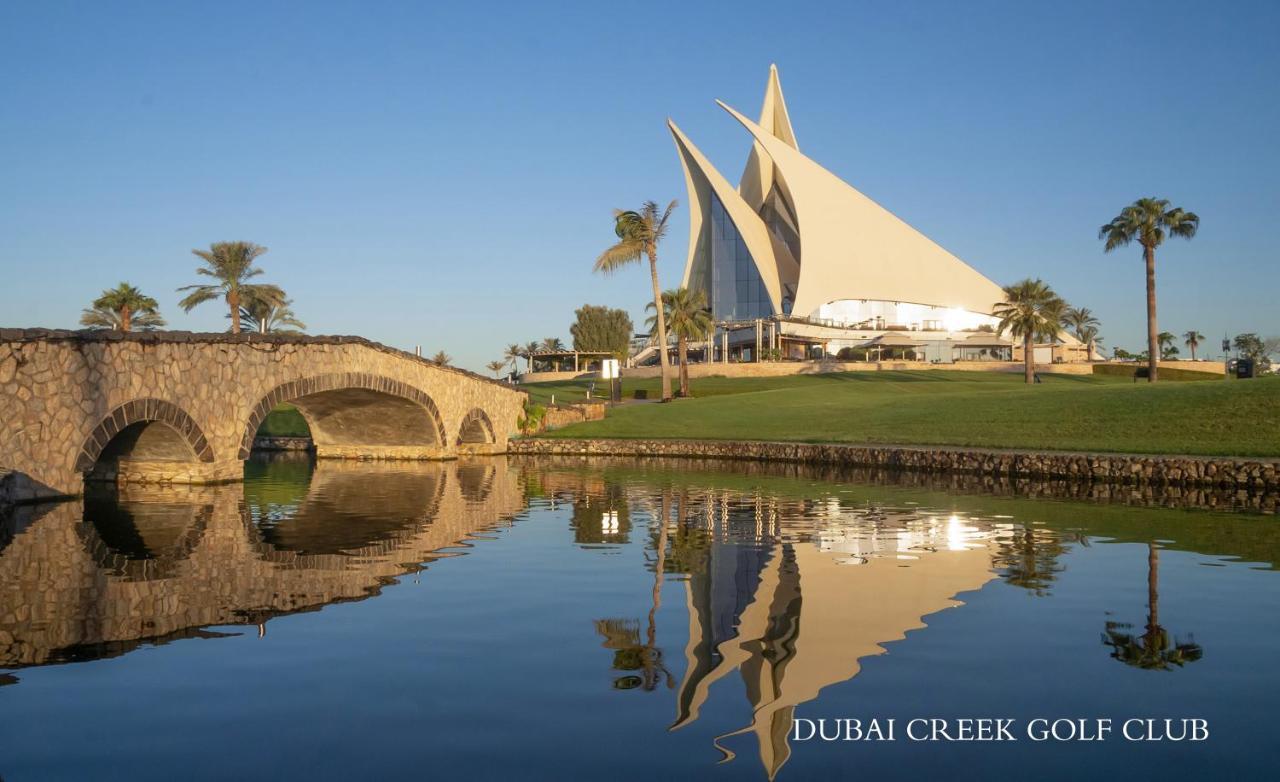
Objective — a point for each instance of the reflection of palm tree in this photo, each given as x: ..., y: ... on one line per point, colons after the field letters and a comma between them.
x: 1030, y: 559
x: 623, y: 635
x: 1155, y: 649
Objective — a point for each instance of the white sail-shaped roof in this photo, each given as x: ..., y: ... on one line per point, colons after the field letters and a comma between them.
x: 702, y: 180
x: 757, y: 179
x: 853, y: 248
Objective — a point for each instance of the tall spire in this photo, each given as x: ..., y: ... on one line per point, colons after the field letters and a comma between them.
x: 773, y: 114
x: 758, y: 177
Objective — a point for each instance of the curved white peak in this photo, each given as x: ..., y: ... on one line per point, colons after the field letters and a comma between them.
x: 702, y: 179
x: 757, y: 178
x: 853, y: 248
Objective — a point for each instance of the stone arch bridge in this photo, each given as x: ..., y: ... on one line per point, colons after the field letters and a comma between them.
x: 179, y: 407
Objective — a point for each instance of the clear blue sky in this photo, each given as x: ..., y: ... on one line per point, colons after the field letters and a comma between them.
x: 443, y: 173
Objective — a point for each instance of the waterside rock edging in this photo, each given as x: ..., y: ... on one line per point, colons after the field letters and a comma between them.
x: 1223, y: 472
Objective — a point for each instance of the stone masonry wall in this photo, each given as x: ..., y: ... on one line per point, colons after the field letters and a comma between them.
x: 1260, y: 474
x: 58, y: 387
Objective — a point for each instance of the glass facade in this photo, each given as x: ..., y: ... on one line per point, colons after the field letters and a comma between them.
x: 736, y: 290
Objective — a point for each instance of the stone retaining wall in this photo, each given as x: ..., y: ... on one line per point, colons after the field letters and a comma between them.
x: 1105, y: 468
x: 563, y: 415
x: 263, y: 443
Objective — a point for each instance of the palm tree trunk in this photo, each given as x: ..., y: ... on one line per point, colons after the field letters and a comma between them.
x: 1028, y: 359
x: 1153, y: 342
x: 126, y: 319
x: 1193, y: 350
x: 1153, y: 586
x: 659, y: 570
x: 684, y: 365
x: 662, y: 323
x: 233, y: 301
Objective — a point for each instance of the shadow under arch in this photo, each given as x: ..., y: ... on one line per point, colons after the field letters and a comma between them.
x: 354, y: 409
x: 476, y: 429
x: 148, y: 429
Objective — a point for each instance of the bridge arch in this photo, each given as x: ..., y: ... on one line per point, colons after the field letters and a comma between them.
x: 347, y: 412
x: 476, y: 428
x: 145, y: 429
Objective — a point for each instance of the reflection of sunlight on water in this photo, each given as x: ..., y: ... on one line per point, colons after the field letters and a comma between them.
x: 863, y: 534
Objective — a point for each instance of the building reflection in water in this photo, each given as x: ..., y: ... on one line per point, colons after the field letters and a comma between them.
x: 150, y: 564
x: 786, y: 595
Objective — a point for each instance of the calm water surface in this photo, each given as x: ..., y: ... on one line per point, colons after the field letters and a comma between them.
x: 505, y: 619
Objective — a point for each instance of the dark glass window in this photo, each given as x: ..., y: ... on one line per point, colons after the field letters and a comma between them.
x: 736, y: 292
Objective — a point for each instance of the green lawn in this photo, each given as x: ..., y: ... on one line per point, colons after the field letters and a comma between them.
x: 1065, y: 412
x: 284, y: 420
x: 576, y: 390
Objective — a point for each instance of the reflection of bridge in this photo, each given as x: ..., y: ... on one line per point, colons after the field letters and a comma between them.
x: 164, y: 562
x: 175, y: 407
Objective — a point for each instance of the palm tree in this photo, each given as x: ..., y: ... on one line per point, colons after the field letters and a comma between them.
x: 1031, y: 311
x: 270, y: 316
x: 529, y: 349
x: 1089, y: 336
x: 553, y: 345
x: 1080, y: 320
x: 1167, y: 348
x: 231, y: 264
x: 512, y: 354
x: 122, y: 308
x: 496, y: 367
x: 1193, y: 339
x: 638, y: 236
x: 442, y: 358
x: 690, y: 319
x: 1147, y: 221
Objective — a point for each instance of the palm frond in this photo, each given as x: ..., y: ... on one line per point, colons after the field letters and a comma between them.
x: 619, y: 255
x: 199, y: 295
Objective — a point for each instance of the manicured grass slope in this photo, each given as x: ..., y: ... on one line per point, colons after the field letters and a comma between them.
x: 284, y: 420
x: 969, y: 409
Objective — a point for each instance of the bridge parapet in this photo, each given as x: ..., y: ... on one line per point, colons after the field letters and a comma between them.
x: 183, y: 407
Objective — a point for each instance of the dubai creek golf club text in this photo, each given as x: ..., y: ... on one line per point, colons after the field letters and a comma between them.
x: 1000, y: 729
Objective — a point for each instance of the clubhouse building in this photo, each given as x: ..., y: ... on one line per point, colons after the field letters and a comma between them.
x: 796, y: 262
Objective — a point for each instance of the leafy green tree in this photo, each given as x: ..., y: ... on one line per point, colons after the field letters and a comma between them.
x: 1192, y: 340
x: 1147, y: 221
x: 1031, y: 311
x: 689, y: 318
x: 1253, y: 347
x: 1122, y: 354
x: 269, y: 316
x: 1167, y: 349
x: 603, y: 329
x: 1248, y: 345
x: 231, y: 264
x: 123, y: 308
x: 442, y: 358
x: 638, y: 236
